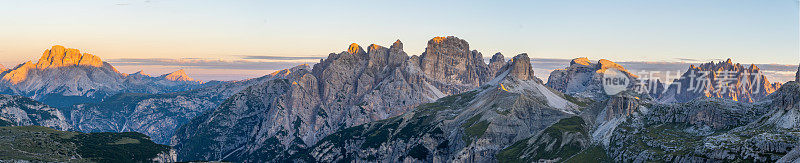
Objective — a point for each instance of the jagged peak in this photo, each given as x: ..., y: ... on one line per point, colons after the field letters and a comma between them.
x: 727, y: 65
x: 141, y: 72
x: 753, y: 67
x: 397, y: 44
x: 446, y: 40
x: 179, y: 75
x: 521, y: 67
x: 438, y: 39
x: 497, y: 57
x: 797, y: 75
x: 606, y: 64
x: 580, y: 61
x: 355, y: 49
x: 375, y: 47
x: 59, y: 56
x: 20, y: 73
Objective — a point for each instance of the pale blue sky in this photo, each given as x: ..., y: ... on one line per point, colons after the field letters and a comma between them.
x: 750, y: 31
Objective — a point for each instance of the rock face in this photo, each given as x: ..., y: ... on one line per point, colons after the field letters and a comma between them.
x: 520, y: 67
x: 467, y: 127
x: 275, y: 119
x: 722, y: 80
x: 711, y: 130
x: 556, y: 143
x: 58, y: 56
x: 23, y: 111
x: 179, y: 75
x: 449, y: 60
x: 584, y: 79
x: 65, y: 76
x: 495, y: 64
x: 797, y: 75
x: 785, y: 104
x: 158, y: 115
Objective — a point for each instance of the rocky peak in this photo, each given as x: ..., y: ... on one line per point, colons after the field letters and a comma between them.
x: 521, y: 67
x: 496, y: 63
x: 497, y: 57
x: 19, y: 74
x: 621, y: 105
x: 727, y: 65
x: 606, y: 64
x: 355, y: 49
x: 141, y: 73
x: 737, y: 83
x: 583, y: 61
x: 179, y: 75
x: 583, y: 78
x: 397, y: 44
x: 797, y: 75
x: 58, y: 56
x: 448, y: 59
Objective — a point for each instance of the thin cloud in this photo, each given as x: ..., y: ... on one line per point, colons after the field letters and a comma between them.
x: 688, y: 60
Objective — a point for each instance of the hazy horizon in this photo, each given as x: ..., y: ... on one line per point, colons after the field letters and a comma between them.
x: 243, y: 39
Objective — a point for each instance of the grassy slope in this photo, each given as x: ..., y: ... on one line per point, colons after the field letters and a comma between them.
x: 37, y: 143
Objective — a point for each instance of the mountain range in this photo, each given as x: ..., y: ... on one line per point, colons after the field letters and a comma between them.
x: 378, y: 104
x: 273, y: 119
x: 65, y: 76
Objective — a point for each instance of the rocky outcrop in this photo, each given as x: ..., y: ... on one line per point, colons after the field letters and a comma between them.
x: 63, y: 77
x: 797, y: 75
x: 23, y: 111
x: 557, y: 143
x: 711, y: 130
x: 346, y: 89
x: 467, y: 127
x: 612, y: 112
x: 179, y: 75
x: 495, y: 64
x: 583, y: 78
x: 449, y: 60
x: 722, y: 80
x: 58, y: 56
x: 166, y: 157
x: 520, y: 67
x: 785, y: 105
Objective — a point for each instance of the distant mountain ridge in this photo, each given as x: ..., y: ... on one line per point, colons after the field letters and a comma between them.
x: 468, y: 127
x: 274, y: 119
x: 64, y: 76
x: 725, y: 80
x: 158, y: 115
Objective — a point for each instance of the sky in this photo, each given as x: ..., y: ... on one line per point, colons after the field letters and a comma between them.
x: 228, y: 40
